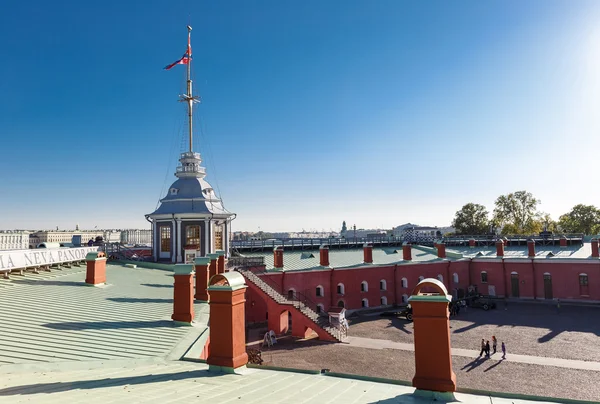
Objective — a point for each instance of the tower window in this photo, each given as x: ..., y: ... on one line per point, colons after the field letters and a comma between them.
x: 174, y: 191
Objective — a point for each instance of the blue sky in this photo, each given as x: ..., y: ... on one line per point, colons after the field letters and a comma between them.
x: 377, y: 113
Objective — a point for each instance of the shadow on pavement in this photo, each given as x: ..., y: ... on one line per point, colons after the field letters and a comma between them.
x: 474, y: 363
x: 494, y: 365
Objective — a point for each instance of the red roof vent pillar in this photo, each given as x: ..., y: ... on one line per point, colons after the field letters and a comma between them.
x: 595, y: 252
x: 500, y: 248
x: 530, y: 248
x: 406, y: 252
x: 563, y: 241
x: 472, y: 243
x: 441, y: 250
x: 368, y: 253
x: 324, y: 255
x: 278, y: 257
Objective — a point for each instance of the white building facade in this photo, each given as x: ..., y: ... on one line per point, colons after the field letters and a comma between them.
x: 14, y: 240
x: 136, y: 236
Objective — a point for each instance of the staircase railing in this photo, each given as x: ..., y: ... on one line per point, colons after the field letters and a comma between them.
x: 299, y: 299
x: 120, y: 251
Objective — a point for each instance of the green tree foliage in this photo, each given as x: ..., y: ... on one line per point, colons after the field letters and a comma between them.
x: 471, y: 219
x: 517, y: 213
x: 581, y: 219
x: 548, y: 224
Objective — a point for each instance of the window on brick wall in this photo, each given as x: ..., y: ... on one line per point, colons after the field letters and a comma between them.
x: 340, y: 289
x: 364, y: 286
x: 484, y: 277
x: 584, y: 285
x: 365, y: 302
x: 382, y: 285
x: 319, y: 291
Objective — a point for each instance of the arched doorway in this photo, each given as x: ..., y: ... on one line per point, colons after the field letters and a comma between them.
x: 514, y: 283
x: 341, y: 304
x: 547, y: 286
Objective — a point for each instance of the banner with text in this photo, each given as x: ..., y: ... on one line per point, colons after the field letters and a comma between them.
x: 42, y: 256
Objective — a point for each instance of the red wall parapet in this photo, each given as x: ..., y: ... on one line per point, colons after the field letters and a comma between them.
x: 595, y: 252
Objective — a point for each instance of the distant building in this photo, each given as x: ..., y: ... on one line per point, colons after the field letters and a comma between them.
x: 413, y: 233
x: 14, y: 240
x: 136, y: 236
x: 61, y: 236
x: 398, y: 231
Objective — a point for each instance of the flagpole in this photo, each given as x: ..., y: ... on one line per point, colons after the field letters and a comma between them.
x: 190, y: 98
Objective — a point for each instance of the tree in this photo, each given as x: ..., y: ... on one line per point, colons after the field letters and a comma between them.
x: 581, y: 219
x: 517, y: 213
x: 548, y: 224
x: 471, y: 219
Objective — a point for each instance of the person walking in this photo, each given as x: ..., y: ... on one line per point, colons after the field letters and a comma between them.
x: 503, y: 350
x: 482, y: 347
x: 487, y: 349
x: 494, y: 342
x: 558, y: 306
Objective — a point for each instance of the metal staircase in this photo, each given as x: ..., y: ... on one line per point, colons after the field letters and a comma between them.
x: 300, y: 303
x: 122, y: 252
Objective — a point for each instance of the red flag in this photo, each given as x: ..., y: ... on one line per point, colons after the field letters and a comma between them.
x: 185, y: 59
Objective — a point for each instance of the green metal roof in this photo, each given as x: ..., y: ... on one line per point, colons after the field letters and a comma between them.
x: 310, y: 260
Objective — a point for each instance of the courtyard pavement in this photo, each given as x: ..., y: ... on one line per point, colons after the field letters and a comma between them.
x: 373, y: 343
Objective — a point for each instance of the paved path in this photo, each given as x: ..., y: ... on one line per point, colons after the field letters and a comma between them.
x: 469, y: 353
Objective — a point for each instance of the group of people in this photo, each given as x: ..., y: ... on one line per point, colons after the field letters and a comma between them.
x: 456, y: 306
x: 485, y: 347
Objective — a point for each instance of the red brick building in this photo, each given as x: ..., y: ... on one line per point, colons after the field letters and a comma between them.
x: 551, y: 272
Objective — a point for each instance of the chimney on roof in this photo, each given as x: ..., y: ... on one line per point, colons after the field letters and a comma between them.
x: 324, y: 255
x: 500, y: 248
x: 472, y: 243
x: 406, y: 252
x: 563, y: 242
x: 278, y: 257
x: 595, y: 252
x: 368, y: 253
x: 530, y: 248
x: 441, y: 250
